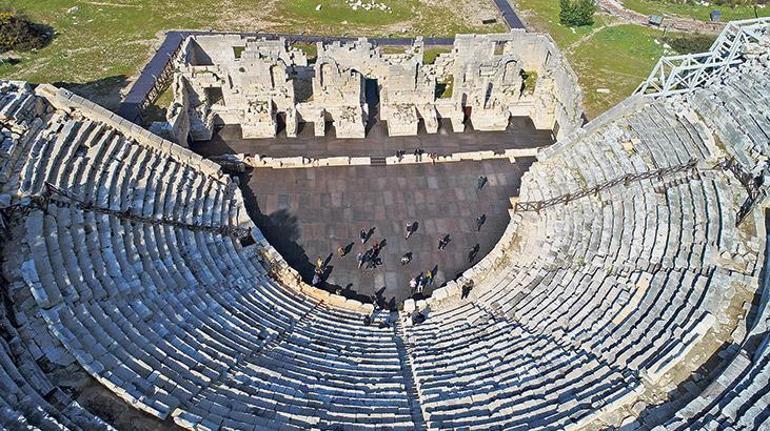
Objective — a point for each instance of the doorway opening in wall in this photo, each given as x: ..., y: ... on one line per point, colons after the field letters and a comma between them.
x: 372, y: 95
x: 421, y: 130
x: 467, y: 111
x: 280, y: 124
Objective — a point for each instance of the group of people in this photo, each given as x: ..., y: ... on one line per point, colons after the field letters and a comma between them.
x: 418, y: 152
x: 370, y: 258
x: 418, y: 283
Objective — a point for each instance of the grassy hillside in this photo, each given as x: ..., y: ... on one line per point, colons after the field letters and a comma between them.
x: 607, y: 56
x: 694, y: 10
x: 99, y: 45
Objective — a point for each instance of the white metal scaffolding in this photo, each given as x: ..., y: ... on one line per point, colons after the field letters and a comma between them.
x: 684, y: 73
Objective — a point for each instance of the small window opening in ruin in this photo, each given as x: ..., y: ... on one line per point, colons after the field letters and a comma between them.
x: 529, y: 80
x: 499, y: 47
x: 214, y: 95
x: 238, y: 51
x: 444, y: 88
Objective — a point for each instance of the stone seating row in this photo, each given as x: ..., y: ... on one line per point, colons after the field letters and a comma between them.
x: 611, y: 290
x: 157, y: 379
x: 738, y: 399
x: 28, y: 400
x: 596, y: 299
x: 101, y: 167
x: 737, y: 109
x: 163, y: 316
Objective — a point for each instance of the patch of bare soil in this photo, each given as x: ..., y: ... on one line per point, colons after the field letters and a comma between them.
x: 98, y: 400
x: 470, y: 11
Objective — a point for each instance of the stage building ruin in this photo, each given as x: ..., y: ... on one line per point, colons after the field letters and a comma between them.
x: 267, y: 86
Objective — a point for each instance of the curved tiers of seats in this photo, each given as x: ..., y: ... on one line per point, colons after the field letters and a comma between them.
x: 588, y: 303
x: 604, y: 295
x: 28, y: 400
x: 182, y: 321
x: 739, y: 397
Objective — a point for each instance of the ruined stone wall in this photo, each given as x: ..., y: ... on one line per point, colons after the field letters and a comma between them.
x: 557, y: 95
x: 259, y: 83
x: 177, y: 126
x: 488, y: 73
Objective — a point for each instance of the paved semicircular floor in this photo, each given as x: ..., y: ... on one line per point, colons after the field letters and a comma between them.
x: 308, y: 213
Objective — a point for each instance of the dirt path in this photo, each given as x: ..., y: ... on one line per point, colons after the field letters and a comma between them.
x: 615, y: 8
x: 574, y: 45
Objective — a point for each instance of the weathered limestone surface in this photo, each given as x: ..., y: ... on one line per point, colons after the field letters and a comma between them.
x: 260, y: 84
x: 583, y: 312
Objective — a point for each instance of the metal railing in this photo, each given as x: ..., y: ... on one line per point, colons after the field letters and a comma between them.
x: 754, y: 185
x: 589, y: 191
x: 53, y: 195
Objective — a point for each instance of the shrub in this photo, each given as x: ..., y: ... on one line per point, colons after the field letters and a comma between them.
x: 690, y: 44
x: 578, y: 13
x: 19, y: 34
x: 566, y: 12
x: 585, y: 10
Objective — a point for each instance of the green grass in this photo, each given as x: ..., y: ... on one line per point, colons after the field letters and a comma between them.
x: 603, y: 55
x: 157, y: 110
x: 100, y: 47
x: 310, y: 50
x: 429, y: 55
x: 694, y: 11
x: 546, y: 18
x: 392, y: 49
x: 689, y: 43
x: 336, y: 11
x: 616, y: 58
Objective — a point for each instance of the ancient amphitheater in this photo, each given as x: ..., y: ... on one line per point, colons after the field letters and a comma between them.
x: 628, y: 292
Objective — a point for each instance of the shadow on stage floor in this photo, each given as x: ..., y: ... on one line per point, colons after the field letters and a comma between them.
x: 307, y: 214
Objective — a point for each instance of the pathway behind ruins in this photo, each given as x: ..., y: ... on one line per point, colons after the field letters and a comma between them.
x: 147, y: 82
x: 676, y: 23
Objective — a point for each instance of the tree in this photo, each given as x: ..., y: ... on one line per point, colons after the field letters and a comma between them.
x: 584, y: 11
x: 576, y: 14
x: 566, y: 12
x: 19, y: 34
